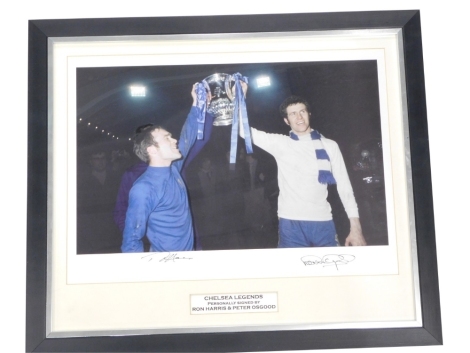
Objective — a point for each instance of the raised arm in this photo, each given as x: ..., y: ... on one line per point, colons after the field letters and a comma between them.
x: 189, y: 131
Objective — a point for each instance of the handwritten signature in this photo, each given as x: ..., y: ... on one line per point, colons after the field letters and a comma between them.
x: 327, y: 260
x: 170, y: 257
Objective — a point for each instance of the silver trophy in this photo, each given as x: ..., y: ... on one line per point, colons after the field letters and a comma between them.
x: 221, y: 104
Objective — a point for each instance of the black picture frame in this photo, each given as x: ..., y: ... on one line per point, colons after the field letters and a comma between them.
x: 37, y: 246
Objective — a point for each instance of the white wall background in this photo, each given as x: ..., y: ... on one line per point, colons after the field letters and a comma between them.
x: 445, y: 40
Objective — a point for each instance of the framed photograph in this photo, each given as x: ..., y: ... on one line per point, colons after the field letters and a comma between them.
x: 94, y: 84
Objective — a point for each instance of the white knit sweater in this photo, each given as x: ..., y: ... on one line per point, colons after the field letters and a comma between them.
x: 301, y: 196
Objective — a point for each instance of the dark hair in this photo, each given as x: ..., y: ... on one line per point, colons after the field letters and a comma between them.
x: 143, y: 140
x: 141, y: 127
x: 291, y: 101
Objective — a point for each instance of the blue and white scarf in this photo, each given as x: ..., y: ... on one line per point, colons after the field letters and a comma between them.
x: 324, y: 166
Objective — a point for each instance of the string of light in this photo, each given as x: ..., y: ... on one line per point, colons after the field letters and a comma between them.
x: 103, y: 131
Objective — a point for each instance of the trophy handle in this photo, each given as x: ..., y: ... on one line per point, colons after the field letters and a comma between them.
x: 228, y: 87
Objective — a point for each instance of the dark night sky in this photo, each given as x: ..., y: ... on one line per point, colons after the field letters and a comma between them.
x: 343, y: 95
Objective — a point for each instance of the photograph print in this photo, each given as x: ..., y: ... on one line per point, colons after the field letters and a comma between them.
x: 216, y: 191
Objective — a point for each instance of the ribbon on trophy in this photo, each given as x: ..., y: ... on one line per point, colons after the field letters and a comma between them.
x: 240, y: 116
x: 201, y: 102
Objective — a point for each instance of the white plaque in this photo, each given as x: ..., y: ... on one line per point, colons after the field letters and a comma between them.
x: 233, y: 303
